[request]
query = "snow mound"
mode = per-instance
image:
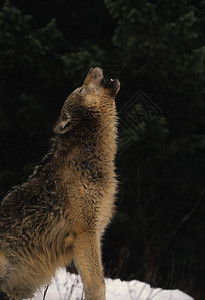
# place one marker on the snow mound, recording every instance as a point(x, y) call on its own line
point(66, 286)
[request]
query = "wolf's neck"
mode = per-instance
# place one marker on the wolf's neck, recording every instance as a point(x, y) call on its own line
point(97, 143)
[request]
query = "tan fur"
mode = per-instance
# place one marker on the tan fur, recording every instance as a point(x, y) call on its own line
point(3, 263)
point(60, 213)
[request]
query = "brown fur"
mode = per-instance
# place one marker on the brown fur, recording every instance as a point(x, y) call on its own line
point(60, 213)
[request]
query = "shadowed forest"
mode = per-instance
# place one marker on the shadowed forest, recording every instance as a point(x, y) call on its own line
point(157, 51)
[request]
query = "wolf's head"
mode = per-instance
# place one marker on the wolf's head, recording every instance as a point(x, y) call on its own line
point(93, 99)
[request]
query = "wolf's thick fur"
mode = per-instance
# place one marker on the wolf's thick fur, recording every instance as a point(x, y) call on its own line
point(60, 213)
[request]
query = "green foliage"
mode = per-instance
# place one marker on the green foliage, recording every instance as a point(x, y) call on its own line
point(160, 37)
point(79, 62)
point(160, 46)
point(30, 64)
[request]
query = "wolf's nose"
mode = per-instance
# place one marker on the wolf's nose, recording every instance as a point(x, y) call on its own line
point(96, 72)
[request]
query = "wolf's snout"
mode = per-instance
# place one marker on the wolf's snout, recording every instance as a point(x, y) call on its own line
point(96, 72)
point(95, 80)
point(94, 76)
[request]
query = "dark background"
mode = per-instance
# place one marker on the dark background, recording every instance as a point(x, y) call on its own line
point(158, 47)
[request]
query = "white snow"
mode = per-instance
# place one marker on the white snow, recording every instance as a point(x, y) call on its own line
point(66, 286)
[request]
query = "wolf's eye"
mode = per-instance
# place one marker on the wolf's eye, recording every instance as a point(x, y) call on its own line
point(64, 126)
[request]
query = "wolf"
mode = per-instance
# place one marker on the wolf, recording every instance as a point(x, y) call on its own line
point(60, 213)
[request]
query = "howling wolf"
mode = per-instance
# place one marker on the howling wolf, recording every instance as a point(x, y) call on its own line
point(60, 213)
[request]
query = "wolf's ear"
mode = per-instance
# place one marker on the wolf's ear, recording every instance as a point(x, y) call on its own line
point(62, 125)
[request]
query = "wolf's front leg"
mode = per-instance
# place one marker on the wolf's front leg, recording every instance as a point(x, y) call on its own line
point(87, 256)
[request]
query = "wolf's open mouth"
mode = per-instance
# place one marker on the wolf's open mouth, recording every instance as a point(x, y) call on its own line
point(111, 86)
point(109, 83)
